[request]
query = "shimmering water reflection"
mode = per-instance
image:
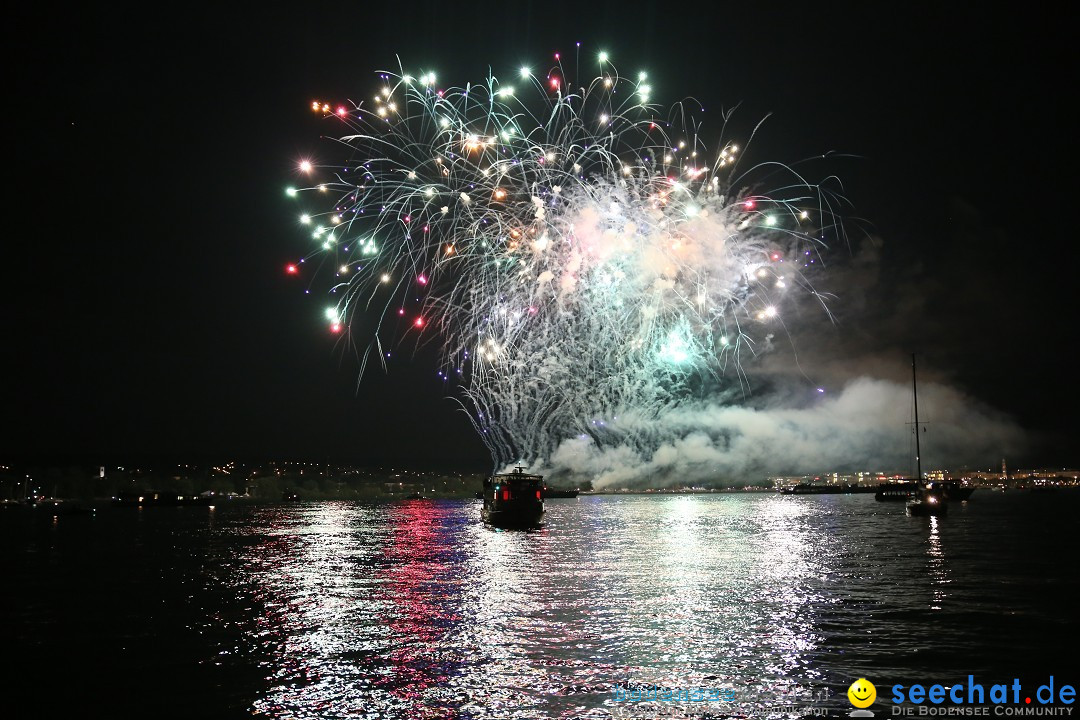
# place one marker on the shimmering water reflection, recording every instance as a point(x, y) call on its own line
point(417, 610)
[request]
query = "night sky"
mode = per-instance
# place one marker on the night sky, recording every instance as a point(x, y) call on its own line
point(147, 314)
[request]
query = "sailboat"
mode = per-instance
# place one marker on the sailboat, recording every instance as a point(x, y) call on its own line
point(929, 498)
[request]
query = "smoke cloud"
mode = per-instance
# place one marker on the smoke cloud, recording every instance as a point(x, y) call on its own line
point(866, 426)
point(831, 392)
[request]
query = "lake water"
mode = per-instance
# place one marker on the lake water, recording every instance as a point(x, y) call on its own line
point(417, 610)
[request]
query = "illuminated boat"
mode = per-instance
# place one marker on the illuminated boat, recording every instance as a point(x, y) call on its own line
point(930, 500)
point(908, 489)
point(897, 490)
point(513, 499)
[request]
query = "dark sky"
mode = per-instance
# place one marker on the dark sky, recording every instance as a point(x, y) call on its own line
point(147, 314)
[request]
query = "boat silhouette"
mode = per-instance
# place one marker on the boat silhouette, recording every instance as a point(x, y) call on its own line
point(513, 499)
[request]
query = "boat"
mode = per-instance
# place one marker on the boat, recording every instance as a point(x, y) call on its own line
point(559, 493)
point(151, 498)
point(929, 501)
point(929, 498)
point(513, 499)
point(896, 490)
point(956, 491)
point(812, 489)
point(951, 490)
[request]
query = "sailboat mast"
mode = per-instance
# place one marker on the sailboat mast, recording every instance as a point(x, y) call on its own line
point(915, 395)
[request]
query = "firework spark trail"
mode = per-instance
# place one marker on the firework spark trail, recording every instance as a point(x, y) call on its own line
point(574, 250)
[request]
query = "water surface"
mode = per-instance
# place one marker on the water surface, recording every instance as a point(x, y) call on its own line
point(417, 610)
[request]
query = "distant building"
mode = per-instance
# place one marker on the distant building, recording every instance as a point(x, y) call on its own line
point(862, 479)
point(983, 478)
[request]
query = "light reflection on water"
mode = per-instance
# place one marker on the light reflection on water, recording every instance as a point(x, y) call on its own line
point(938, 568)
point(417, 610)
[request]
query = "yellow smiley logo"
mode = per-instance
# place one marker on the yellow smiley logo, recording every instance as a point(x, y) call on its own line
point(862, 693)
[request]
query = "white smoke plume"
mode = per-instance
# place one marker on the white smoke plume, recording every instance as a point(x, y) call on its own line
point(864, 427)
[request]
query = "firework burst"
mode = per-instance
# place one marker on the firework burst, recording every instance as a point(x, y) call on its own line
point(585, 262)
